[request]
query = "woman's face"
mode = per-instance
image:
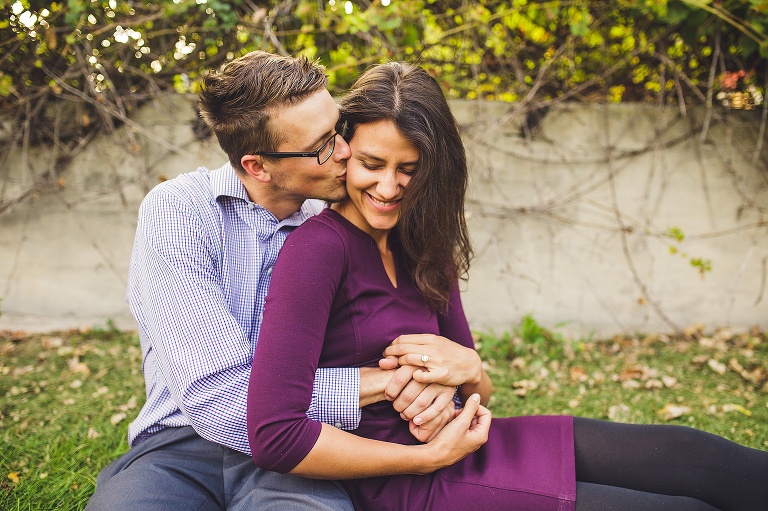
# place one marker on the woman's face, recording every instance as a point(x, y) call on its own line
point(378, 171)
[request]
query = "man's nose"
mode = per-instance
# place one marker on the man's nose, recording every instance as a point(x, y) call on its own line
point(342, 150)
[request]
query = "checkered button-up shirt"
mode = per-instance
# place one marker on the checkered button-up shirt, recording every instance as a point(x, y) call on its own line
point(199, 272)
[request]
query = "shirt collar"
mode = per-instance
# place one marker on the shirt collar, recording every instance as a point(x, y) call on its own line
point(225, 183)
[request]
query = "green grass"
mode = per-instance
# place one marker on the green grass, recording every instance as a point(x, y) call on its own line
point(66, 398)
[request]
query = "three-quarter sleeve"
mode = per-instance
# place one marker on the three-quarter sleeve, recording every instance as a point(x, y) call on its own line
point(304, 284)
point(453, 324)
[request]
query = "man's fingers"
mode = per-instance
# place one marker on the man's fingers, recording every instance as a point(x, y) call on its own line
point(443, 401)
point(403, 375)
point(388, 363)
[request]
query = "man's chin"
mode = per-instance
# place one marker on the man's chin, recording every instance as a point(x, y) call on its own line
point(335, 200)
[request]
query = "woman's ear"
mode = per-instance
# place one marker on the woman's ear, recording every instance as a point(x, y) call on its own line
point(254, 166)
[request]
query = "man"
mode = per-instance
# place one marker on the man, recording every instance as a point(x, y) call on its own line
point(202, 258)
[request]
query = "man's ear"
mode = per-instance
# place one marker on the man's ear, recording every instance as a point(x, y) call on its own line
point(254, 167)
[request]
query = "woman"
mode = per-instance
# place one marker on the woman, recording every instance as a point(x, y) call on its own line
point(386, 262)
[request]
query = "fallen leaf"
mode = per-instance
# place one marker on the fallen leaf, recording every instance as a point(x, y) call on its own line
point(653, 383)
point(578, 374)
point(117, 418)
point(51, 343)
point(731, 407)
point(92, 434)
point(716, 366)
point(669, 381)
point(76, 366)
point(619, 413)
point(632, 373)
point(13, 476)
point(522, 387)
point(671, 411)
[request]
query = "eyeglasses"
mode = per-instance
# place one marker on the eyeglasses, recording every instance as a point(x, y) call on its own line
point(322, 154)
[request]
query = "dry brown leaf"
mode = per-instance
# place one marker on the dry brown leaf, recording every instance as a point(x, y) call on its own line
point(716, 366)
point(522, 387)
point(632, 373)
point(619, 413)
point(52, 343)
point(653, 383)
point(669, 381)
point(117, 418)
point(578, 374)
point(77, 367)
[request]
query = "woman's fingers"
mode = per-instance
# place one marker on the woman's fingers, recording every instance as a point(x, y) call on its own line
point(439, 396)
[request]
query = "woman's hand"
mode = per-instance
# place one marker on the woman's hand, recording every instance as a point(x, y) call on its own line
point(444, 361)
point(463, 435)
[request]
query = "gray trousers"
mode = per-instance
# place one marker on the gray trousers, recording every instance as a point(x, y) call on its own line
point(176, 469)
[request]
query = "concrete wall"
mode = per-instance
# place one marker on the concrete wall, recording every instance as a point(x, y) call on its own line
point(568, 222)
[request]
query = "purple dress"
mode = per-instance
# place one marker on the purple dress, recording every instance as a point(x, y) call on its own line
point(331, 304)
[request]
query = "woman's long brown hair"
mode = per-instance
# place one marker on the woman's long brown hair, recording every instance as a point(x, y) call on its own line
point(431, 226)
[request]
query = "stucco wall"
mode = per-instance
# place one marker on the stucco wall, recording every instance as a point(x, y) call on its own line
point(568, 222)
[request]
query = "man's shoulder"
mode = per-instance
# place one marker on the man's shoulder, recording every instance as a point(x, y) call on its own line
point(190, 188)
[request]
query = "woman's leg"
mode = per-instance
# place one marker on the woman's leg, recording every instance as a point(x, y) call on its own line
point(671, 460)
point(599, 497)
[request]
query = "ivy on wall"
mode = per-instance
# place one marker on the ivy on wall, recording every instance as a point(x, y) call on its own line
point(104, 56)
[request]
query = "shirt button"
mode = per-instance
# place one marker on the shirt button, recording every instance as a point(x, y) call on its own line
point(251, 205)
point(261, 317)
point(337, 424)
point(269, 270)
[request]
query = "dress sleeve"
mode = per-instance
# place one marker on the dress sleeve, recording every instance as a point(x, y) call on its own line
point(304, 283)
point(453, 324)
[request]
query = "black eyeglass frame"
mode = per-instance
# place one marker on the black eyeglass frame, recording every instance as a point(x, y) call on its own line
point(341, 129)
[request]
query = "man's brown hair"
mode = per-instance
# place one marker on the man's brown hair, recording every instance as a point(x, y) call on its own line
point(238, 101)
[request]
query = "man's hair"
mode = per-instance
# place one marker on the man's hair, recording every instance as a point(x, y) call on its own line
point(238, 101)
point(431, 225)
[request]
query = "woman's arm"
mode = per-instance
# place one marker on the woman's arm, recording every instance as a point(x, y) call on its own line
point(341, 455)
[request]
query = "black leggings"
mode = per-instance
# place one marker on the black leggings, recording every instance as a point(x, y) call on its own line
point(633, 467)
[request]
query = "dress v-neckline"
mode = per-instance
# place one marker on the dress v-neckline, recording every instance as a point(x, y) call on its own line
point(367, 237)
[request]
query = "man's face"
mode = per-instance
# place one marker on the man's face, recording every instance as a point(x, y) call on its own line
point(305, 127)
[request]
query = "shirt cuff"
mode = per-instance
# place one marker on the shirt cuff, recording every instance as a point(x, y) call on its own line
point(336, 397)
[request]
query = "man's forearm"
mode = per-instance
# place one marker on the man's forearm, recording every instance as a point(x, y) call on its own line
point(373, 381)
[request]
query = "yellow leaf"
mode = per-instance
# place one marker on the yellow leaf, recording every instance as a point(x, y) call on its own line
point(13, 476)
point(671, 411)
point(731, 407)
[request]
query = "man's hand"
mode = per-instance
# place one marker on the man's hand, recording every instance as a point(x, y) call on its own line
point(415, 400)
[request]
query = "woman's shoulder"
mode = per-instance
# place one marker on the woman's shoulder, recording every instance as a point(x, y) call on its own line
point(319, 234)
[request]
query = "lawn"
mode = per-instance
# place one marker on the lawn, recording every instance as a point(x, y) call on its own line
point(66, 398)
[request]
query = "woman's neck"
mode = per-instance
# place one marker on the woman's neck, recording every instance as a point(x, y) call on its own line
point(346, 209)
